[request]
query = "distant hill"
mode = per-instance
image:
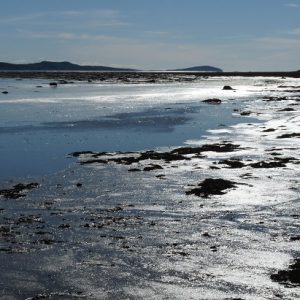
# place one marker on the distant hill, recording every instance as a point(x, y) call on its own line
point(67, 66)
point(56, 66)
point(201, 69)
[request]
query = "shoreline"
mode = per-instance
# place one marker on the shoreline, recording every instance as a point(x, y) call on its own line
point(139, 77)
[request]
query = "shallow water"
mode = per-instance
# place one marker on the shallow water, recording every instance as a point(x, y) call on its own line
point(40, 126)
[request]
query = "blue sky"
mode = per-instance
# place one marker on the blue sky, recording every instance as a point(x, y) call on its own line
point(245, 35)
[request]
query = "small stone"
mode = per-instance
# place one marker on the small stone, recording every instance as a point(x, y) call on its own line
point(213, 248)
point(245, 113)
point(227, 87)
point(212, 101)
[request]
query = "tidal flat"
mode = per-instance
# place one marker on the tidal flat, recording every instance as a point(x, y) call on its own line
point(165, 189)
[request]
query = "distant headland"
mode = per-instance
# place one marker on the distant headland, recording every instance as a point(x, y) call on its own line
point(200, 69)
point(68, 66)
point(56, 66)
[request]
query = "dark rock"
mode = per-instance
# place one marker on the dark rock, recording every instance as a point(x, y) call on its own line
point(291, 91)
point(288, 135)
point(295, 216)
point(182, 253)
point(77, 154)
point(42, 232)
point(5, 92)
point(245, 113)
point(28, 219)
point(58, 295)
point(115, 209)
point(227, 87)
point(124, 160)
point(93, 161)
point(134, 170)
point(166, 156)
point(275, 98)
point(269, 130)
point(286, 109)
point(286, 160)
point(275, 153)
point(212, 101)
point(47, 242)
point(174, 155)
point(271, 164)
point(214, 168)
point(226, 147)
point(206, 234)
point(79, 184)
point(290, 277)
point(288, 86)
point(232, 163)
point(53, 84)
point(211, 187)
point(153, 167)
point(16, 191)
point(214, 248)
point(6, 250)
point(64, 226)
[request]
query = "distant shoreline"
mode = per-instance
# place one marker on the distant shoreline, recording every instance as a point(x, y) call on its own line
point(136, 76)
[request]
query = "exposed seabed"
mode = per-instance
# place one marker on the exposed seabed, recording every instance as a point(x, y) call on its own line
point(217, 218)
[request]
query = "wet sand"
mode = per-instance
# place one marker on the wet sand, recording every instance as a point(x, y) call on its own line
point(217, 218)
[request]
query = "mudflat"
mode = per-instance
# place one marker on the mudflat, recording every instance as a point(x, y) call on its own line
point(214, 217)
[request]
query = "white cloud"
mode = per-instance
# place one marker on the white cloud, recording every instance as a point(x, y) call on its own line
point(69, 36)
point(22, 19)
point(156, 33)
point(83, 18)
point(293, 5)
point(277, 43)
point(295, 31)
point(100, 13)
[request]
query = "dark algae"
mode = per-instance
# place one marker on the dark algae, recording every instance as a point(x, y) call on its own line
point(210, 187)
point(289, 277)
point(177, 154)
point(17, 191)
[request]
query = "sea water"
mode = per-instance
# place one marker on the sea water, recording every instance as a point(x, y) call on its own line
point(40, 125)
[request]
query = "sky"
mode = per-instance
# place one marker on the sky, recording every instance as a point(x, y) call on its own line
point(235, 35)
